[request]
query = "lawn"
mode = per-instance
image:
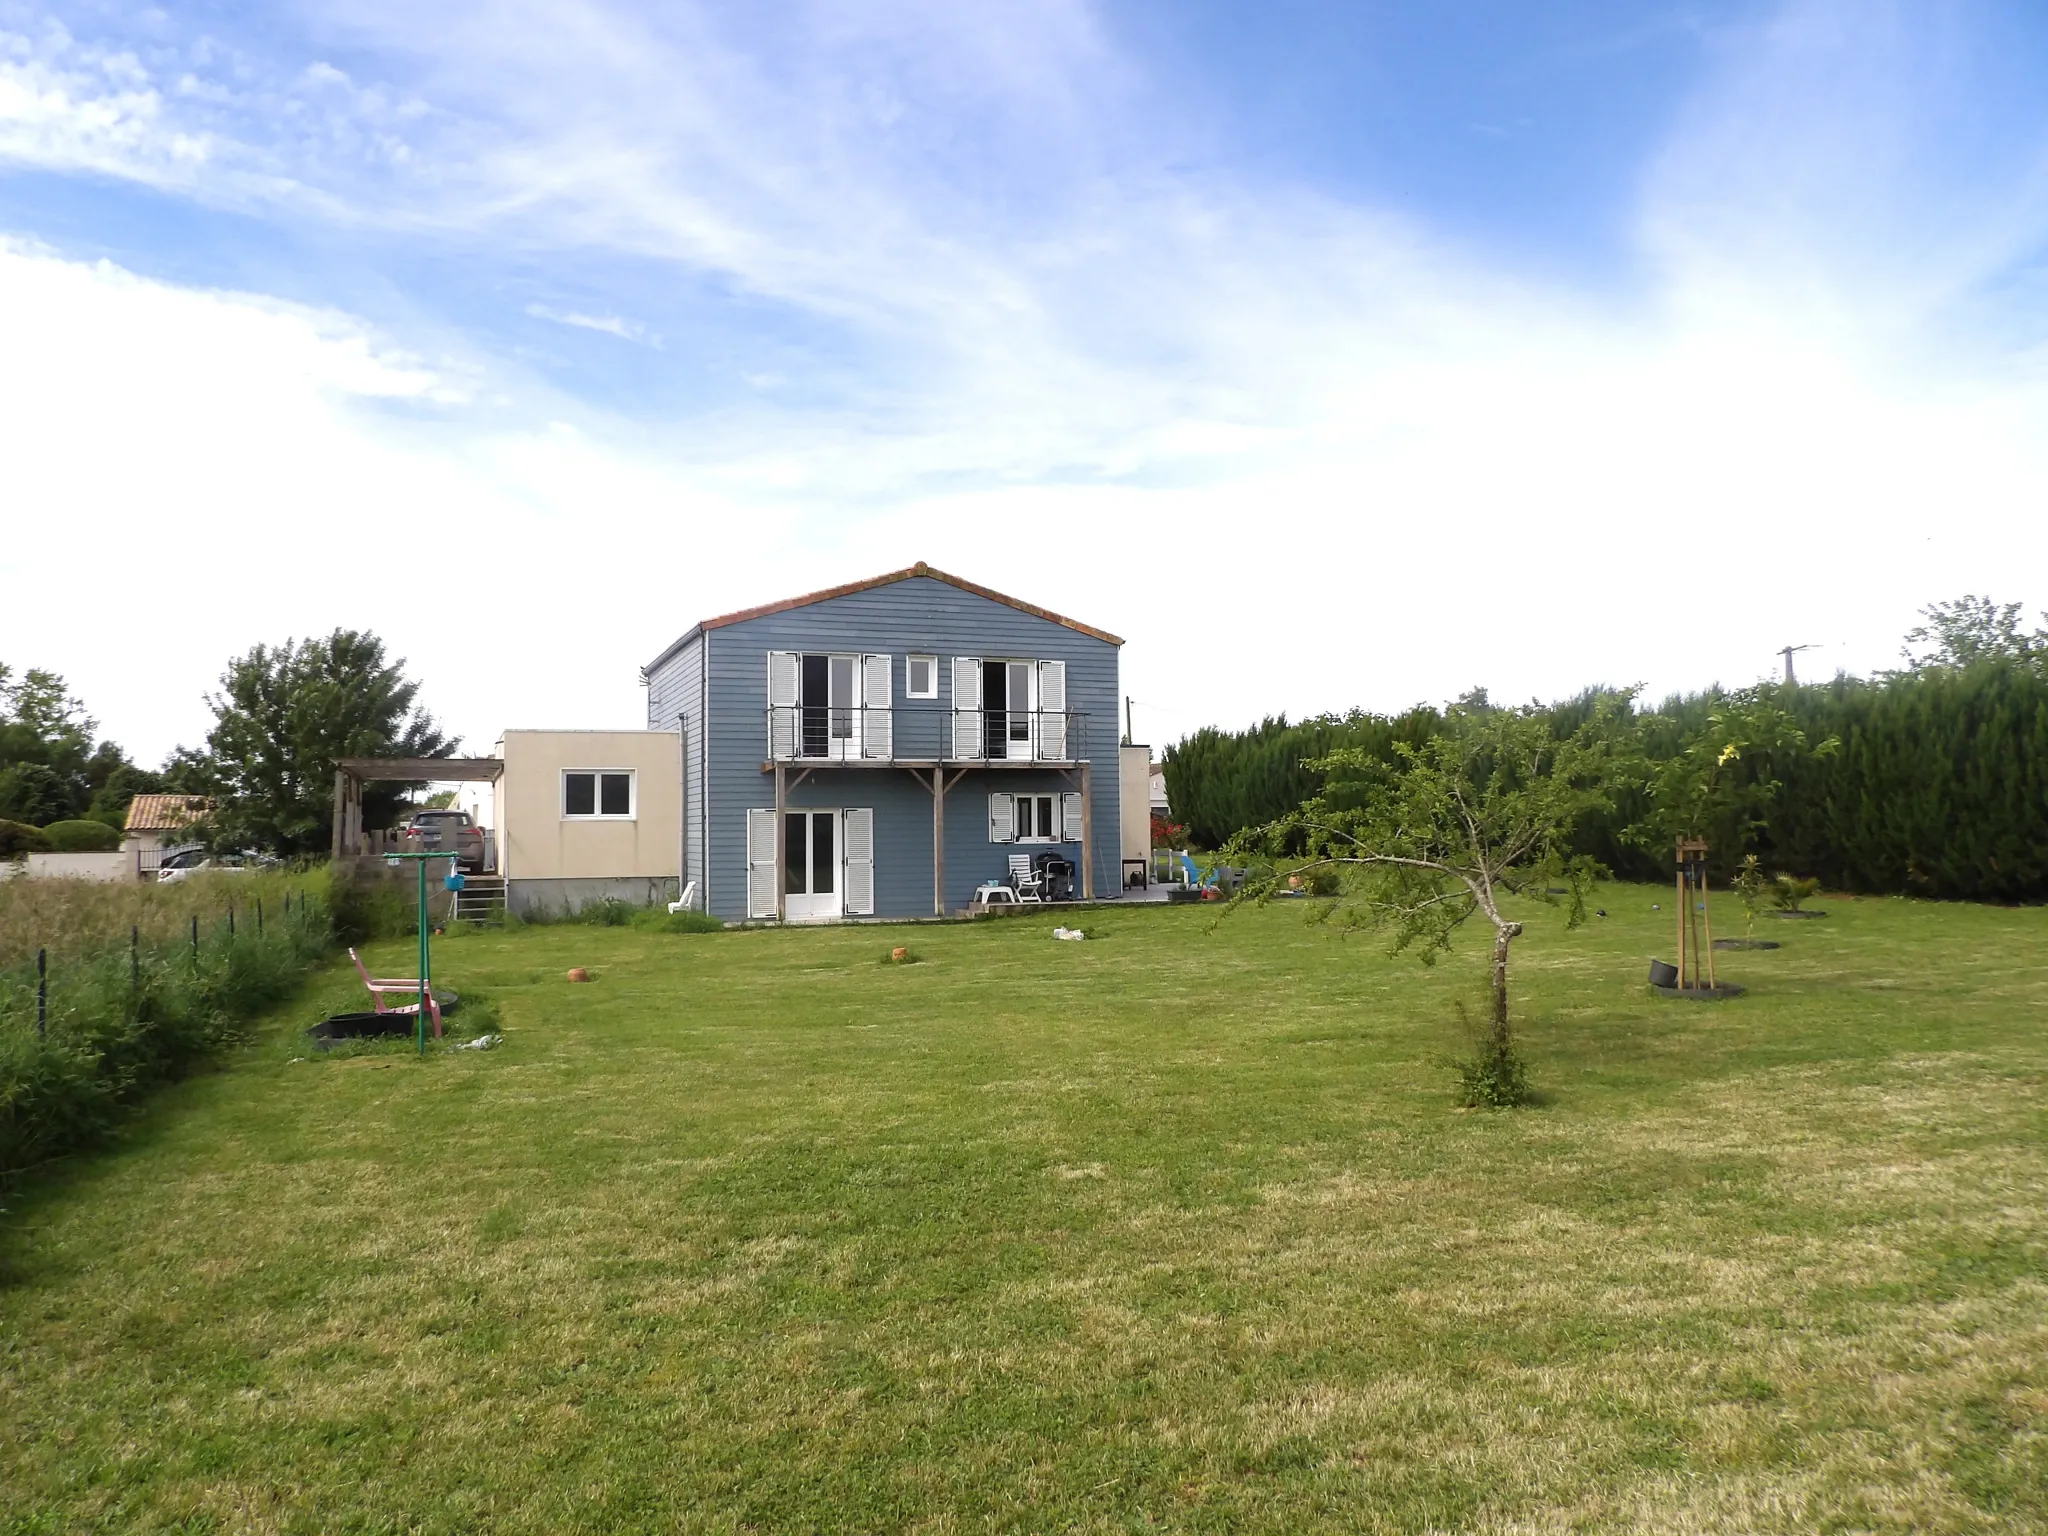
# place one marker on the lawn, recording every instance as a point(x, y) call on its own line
point(1176, 1229)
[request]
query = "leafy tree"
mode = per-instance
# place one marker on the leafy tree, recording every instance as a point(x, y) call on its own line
point(285, 714)
point(35, 793)
point(1723, 784)
point(50, 767)
point(1972, 629)
point(1482, 810)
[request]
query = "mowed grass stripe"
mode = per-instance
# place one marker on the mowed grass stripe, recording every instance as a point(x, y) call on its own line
point(1173, 1229)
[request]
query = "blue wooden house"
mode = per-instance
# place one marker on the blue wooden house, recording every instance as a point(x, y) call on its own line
point(885, 748)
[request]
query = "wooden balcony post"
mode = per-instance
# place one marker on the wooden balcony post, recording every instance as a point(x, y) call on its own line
point(781, 834)
point(939, 841)
point(1087, 838)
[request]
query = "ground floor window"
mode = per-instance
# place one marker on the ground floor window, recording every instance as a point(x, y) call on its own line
point(597, 792)
point(1021, 818)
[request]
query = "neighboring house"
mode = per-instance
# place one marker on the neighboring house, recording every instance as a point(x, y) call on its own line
point(156, 823)
point(883, 748)
point(582, 816)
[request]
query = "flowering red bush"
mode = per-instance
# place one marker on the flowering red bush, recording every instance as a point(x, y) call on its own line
point(1168, 834)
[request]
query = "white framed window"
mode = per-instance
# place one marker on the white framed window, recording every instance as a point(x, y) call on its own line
point(599, 794)
point(1015, 818)
point(920, 677)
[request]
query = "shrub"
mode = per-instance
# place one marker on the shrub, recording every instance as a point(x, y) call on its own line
point(370, 909)
point(660, 920)
point(18, 837)
point(122, 1018)
point(1789, 893)
point(610, 912)
point(81, 837)
point(1493, 1075)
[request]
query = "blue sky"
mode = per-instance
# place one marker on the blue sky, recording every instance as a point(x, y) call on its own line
point(1333, 355)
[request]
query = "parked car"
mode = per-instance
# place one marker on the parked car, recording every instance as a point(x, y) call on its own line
point(447, 832)
point(183, 863)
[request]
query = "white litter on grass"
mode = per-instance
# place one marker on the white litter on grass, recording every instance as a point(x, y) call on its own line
point(480, 1043)
point(1069, 933)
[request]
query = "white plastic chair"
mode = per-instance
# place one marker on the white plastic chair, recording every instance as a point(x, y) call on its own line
point(1026, 880)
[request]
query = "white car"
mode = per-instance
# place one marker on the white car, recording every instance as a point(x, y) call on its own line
point(186, 862)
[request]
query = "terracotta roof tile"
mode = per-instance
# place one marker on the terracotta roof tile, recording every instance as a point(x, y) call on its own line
point(919, 569)
point(165, 813)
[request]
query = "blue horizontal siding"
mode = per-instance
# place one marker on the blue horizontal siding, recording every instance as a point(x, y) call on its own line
point(919, 615)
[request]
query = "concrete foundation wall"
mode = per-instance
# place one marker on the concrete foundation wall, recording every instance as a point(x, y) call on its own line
point(531, 898)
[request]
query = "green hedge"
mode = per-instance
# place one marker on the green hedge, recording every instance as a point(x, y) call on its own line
point(18, 837)
point(81, 837)
point(1939, 785)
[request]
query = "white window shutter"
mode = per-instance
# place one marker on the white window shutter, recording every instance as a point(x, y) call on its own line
point(1070, 818)
point(877, 698)
point(782, 706)
point(967, 726)
point(1002, 819)
point(858, 841)
point(1052, 710)
point(761, 863)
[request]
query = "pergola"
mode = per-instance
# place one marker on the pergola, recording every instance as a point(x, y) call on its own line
point(352, 773)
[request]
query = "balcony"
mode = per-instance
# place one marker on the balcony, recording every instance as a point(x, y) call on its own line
point(906, 735)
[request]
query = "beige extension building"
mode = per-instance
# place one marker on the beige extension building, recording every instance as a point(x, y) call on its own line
point(585, 815)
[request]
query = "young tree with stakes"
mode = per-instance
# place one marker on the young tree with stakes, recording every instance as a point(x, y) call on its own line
point(1483, 811)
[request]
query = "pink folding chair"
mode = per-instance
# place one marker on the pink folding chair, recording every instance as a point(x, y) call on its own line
point(380, 985)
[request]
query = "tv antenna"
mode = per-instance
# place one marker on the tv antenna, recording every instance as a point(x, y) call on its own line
point(1788, 653)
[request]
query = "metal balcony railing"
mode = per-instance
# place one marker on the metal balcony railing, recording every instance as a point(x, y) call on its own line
point(906, 733)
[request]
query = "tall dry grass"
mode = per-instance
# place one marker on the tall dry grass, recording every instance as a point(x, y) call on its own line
point(80, 919)
point(139, 981)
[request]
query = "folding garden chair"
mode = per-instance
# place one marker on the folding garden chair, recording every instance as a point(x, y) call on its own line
point(380, 985)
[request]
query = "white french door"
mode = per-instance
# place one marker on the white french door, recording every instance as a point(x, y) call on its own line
point(812, 887)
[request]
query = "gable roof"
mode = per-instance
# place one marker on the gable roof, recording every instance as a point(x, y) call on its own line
point(165, 813)
point(919, 569)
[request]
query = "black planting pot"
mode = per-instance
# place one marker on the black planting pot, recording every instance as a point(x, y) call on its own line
point(1663, 974)
point(360, 1026)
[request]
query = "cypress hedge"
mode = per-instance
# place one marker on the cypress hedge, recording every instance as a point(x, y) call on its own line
point(1938, 785)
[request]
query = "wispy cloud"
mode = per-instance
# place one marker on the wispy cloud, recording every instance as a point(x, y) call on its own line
point(609, 325)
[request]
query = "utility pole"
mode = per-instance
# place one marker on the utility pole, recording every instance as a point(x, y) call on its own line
point(1788, 653)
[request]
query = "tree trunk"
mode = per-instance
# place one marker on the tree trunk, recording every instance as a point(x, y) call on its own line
point(1503, 935)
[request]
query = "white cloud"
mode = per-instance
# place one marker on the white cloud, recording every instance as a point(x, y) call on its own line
point(1302, 454)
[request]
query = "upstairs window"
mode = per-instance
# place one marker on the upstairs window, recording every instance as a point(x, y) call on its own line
point(597, 794)
point(921, 677)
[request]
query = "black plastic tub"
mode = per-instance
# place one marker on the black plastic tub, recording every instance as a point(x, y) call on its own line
point(361, 1026)
point(1663, 974)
